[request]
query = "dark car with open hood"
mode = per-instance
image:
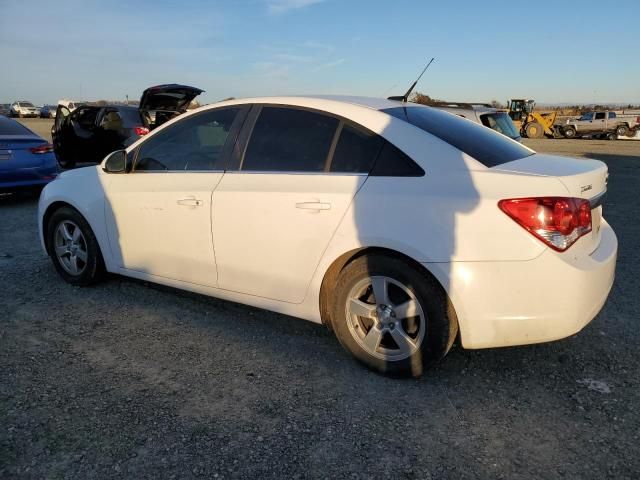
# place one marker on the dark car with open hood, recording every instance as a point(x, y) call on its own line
point(90, 132)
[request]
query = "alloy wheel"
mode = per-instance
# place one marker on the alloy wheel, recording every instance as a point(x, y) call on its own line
point(70, 247)
point(385, 318)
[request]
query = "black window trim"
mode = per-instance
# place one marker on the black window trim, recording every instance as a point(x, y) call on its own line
point(227, 150)
point(243, 138)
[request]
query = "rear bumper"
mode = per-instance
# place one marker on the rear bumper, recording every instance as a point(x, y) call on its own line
point(27, 177)
point(517, 303)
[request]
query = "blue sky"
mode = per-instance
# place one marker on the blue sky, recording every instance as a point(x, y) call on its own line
point(559, 52)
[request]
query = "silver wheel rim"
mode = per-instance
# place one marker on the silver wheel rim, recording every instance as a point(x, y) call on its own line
point(385, 318)
point(70, 247)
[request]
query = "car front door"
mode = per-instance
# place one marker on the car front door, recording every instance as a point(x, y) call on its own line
point(57, 130)
point(159, 215)
point(274, 216)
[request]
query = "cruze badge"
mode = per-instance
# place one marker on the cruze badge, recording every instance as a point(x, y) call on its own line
point(585, 188)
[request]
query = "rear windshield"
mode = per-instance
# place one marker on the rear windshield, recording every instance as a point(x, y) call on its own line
point(130, 117)
point(11, 127)
point(479, 142)
point(25, 104)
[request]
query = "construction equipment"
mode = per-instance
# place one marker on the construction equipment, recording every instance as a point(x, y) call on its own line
point(530, 123)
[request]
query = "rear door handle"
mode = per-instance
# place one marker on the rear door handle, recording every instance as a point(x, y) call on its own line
point(315, 205)
point(190, 202)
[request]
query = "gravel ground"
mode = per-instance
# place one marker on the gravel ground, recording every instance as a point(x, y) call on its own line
point(131, 380)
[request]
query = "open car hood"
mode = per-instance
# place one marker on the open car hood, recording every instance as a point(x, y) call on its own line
point(168, 98)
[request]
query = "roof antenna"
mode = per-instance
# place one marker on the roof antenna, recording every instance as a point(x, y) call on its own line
point(405, 97)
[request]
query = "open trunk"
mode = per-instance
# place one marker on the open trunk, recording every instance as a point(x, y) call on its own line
point(161, 103)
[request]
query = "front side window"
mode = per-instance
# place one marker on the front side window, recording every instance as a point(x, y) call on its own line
point(194, 143)
point(587, 116)
point(85, 117)
point(289, 140)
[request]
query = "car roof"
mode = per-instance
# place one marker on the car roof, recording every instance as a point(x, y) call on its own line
point(368, 102)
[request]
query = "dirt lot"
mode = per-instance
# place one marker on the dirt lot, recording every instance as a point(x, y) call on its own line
point(131, 380)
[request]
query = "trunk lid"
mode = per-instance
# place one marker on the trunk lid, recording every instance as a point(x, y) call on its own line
point(582, 178)
point(15, 153)
point(169, 99)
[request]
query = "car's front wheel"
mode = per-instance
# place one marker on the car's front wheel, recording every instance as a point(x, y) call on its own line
point(391, 316)
point(74, 248)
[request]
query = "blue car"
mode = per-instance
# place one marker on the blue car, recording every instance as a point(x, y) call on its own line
point(27, 160)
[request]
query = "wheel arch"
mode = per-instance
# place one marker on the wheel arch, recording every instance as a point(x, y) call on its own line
point(48, 213)
point(331, 275)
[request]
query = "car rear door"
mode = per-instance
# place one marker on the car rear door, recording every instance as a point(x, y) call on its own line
point(276, 209)
point(159, 215)
point(600, 121)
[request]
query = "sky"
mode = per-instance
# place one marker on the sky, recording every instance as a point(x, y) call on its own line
point(558, 52)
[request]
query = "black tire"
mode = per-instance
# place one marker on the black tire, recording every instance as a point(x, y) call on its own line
point(93, 269)
point(438, 316)
point(65, 162)
point(611, 136)
point(621, 130)
point(569, 132)
point(534, 130)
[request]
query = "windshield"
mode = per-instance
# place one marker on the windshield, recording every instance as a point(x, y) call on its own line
point(479, 142)
point(25, 104)
point(501, 123)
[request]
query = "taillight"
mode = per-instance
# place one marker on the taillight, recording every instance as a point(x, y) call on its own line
point(44, 148)
point(557, 221)
point(141, 130)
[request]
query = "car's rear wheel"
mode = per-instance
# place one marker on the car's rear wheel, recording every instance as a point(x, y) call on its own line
point(74, 248)
point(391, 316)
point(622, 130)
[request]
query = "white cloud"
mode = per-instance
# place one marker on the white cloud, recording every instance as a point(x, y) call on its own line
point(328, 65)
point(287, 57)
point(281, 6)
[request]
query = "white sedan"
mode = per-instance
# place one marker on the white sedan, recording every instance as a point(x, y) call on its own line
point(399, 226)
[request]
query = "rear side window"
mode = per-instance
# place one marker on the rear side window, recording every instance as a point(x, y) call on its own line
point(195, 143)
point(600, 116)
point(501, 123)
point(612, 114)
point(11, 127)
point(289, 140)
point(483, 144)
point(356, 150)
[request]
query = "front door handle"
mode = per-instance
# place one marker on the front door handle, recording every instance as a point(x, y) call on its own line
point(315, 205)
point(190, 202)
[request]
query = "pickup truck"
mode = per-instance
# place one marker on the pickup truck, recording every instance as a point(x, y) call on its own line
point(601, 123)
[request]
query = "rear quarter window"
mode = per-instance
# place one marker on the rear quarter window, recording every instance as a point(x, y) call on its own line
point(486, 146)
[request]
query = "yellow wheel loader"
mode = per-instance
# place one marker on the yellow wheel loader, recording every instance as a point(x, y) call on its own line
point(531, 124)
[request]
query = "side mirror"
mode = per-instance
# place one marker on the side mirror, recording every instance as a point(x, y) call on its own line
point(116, 162)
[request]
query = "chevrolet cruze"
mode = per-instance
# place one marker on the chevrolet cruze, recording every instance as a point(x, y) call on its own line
point(399, 226)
